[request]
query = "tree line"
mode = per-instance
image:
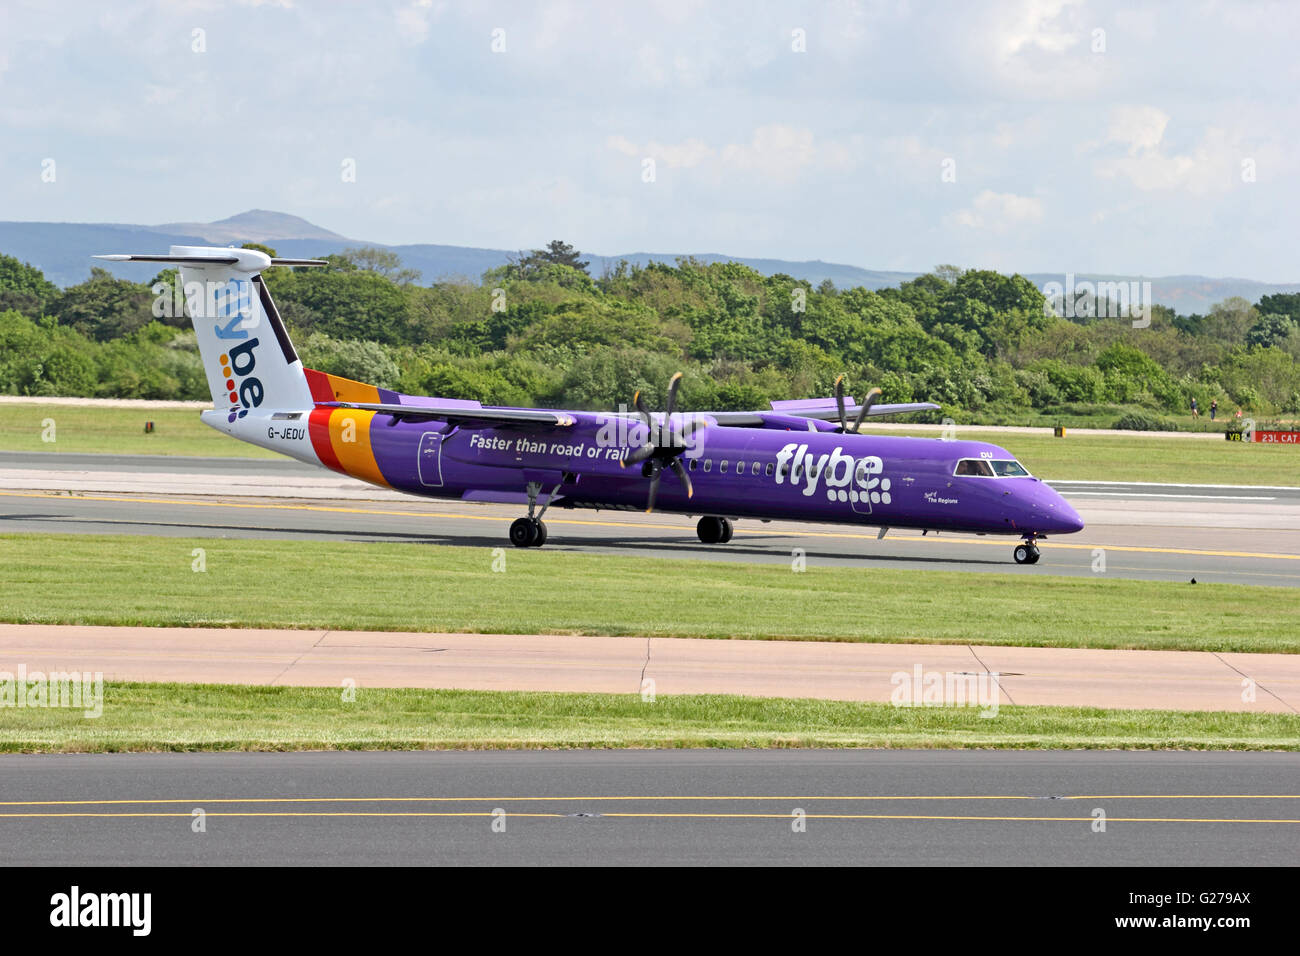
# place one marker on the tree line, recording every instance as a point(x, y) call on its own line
point(540, 330)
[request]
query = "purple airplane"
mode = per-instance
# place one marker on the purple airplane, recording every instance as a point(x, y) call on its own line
point(801, 460)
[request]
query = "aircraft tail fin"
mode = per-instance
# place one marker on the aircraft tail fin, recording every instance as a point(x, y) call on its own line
point(247, 356)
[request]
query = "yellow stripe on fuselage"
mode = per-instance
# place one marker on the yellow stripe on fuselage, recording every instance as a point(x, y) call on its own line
point(350, 439)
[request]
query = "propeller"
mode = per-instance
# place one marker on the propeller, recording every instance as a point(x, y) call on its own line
point(672, 440)
point(871, 399)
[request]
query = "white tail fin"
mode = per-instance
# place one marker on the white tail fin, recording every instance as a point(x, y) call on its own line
point(245, 348)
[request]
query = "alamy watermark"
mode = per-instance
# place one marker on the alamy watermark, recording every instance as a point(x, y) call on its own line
point(922, 688)
point(1099, 300)
point(75, 689)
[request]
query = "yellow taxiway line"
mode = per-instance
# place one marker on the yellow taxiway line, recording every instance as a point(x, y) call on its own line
point(338, 509)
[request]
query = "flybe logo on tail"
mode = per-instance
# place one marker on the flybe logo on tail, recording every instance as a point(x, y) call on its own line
point(243, 389)
point(234, 303)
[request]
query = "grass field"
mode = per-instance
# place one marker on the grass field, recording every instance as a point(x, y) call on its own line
point(1080, 457)
point(117, 431)
point(218, 717)
point(391, 586)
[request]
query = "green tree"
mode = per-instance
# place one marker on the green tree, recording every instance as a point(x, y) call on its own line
point(24, 288)
point(557, 253)
point(104, 307)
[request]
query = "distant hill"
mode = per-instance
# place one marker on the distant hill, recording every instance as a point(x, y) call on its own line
point(63, 252)
point(256, 225)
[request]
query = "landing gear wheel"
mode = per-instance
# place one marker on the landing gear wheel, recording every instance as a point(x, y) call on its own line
point(727, 530)
point(541, 533)
point(712, 530)
point(1026, 554)
point(524, 532)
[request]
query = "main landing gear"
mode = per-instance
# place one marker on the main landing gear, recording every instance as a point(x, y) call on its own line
point(714, 530)
point(530, 532)
point(1026, 553)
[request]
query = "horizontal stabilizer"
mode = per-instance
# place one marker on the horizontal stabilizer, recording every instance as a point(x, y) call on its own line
point(217, 260)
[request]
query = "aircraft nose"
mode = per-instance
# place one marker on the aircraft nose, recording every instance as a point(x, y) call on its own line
point(1058, 514)
point(1069, 518)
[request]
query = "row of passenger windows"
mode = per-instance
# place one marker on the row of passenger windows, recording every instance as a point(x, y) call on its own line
point(706, 465)
point(756, 468)
point(968, 467)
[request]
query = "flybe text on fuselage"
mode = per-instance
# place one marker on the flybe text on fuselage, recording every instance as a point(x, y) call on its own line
point(842, 476)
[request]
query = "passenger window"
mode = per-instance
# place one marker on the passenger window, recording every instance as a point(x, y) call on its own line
point(708, 463)
point(694, 462)
point(740, 467)
point(722, 467)
point(768, 470)
point(754, 470)
point(798, 473)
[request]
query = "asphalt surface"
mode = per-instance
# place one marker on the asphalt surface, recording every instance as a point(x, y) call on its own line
point(1127, 545)
point(640, 808)
point(1231, 534)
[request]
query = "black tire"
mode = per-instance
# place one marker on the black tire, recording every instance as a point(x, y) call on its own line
point(1034, 555)
point(540, 539)
point(710, 530)
point(727, 530)
point(523, 531)
point(1023, 554)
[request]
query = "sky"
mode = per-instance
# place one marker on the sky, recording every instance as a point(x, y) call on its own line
point(1020, 135)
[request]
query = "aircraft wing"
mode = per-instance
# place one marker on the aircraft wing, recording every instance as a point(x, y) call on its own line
point(458, 413)
point(817, 411)
point(832, 414)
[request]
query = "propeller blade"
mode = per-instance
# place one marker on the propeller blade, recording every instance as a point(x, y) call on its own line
point(672, 396)
point(682, 475)
point(639, 405)
point(866, 407)
point(681, 437)
point(839, 402)
point(637, 455)
point(656, 469)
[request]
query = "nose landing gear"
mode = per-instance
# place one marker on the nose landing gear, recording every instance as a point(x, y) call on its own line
point(1026, 553)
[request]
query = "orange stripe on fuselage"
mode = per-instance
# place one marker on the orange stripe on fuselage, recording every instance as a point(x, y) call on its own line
point(350, 441)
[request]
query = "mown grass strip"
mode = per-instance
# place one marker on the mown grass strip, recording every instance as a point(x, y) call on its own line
point(192, 717)
point(141, 580)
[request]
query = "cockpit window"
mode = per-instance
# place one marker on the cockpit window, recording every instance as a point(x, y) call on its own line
point(986, 468)
point(1009, 469)
point(974, 467)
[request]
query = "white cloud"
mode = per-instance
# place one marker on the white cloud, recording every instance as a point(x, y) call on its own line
point(1033, 25)
point(998, 212)
point(414, 19)
point(775, 152)
point(1140, 128)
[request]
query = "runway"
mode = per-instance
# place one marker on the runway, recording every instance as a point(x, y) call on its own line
point(638, 808)
point(1151, 532)
point(1125, 538)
